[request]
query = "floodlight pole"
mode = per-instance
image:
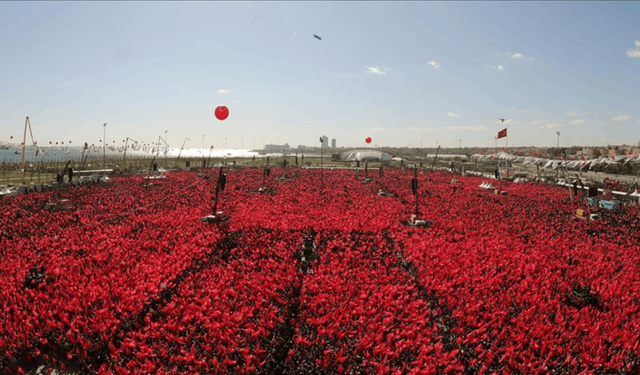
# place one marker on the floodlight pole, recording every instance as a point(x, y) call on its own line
point(84, 159)
point(125, 152)
point(321, 163)
point(211, 149)
point(435, 158)
point(181, 148)
point(104, 144)
point(150, 168)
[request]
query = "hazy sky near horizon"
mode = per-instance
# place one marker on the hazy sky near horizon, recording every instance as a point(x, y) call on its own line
point(402, 73)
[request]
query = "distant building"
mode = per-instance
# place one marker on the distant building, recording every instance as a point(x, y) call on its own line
point(325, 142)
point(276, 147)
point(333, 143)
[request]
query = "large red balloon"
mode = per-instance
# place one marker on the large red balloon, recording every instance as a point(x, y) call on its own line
point(368, 140)
point(222, 112)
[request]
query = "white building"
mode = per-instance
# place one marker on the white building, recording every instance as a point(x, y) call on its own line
point(276, 147)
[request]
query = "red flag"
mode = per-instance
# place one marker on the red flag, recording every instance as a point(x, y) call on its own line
point(502, 133)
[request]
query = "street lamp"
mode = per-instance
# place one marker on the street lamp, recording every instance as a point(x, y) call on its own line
point(104, 144)
point(558, 133)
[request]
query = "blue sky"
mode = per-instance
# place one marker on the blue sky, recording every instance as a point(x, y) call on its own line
point(403, 73)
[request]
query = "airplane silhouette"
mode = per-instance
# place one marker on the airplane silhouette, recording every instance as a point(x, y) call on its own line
point(502, 119)
point(317, 37)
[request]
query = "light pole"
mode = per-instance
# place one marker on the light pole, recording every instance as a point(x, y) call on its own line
point(104, 144)
point(460, 146)
point(321, 163)
point(243, 147)
point(558, 133)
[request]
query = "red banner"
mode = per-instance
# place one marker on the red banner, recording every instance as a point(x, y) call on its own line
point(502, 133)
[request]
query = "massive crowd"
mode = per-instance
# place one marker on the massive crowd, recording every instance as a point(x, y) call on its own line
point(317, 277)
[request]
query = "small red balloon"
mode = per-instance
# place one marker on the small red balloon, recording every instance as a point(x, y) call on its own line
point(368, 140)
point(222, 112)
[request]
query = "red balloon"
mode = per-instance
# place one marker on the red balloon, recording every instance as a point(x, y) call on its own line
point(222, 112)
point(368, 140)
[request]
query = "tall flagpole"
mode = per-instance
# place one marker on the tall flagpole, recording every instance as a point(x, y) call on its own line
point(506, 130)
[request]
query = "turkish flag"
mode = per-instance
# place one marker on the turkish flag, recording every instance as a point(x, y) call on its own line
point(502, 133)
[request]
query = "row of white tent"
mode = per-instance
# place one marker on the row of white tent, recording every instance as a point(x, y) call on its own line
point(554, 164)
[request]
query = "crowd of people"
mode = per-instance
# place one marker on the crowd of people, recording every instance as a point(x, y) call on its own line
point(318, 275)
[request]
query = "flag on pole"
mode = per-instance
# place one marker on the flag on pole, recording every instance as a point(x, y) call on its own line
point(502, 133)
